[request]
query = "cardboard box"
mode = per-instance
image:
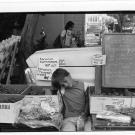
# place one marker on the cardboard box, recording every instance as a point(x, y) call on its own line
point(9, 111)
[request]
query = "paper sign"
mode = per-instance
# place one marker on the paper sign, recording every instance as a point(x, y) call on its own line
point(62, 62)
point(100, 104)
point(46, 67)
point(98, 59)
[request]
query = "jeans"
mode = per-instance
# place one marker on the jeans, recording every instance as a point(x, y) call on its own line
point(70, 124)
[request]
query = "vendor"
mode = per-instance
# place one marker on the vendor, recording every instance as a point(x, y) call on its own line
point(66, 38)
point(76, 107)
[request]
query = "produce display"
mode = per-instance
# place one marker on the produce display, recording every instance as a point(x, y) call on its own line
point(36, 90)
point(9, 89)
point(124, 111)
point(114, 117)
point(5, 47)
point(37, 113)
point(113, 92)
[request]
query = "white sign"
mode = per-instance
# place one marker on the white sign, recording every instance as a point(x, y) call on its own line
point(98, 59)
point(100, 104)
point(46, 67)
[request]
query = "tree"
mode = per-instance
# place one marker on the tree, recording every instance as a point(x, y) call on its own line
point(28, 34)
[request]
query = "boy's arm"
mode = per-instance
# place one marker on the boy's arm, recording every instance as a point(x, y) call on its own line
point(86, 111)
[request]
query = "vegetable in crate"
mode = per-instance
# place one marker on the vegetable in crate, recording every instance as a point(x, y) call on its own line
point(114, 117)
point(39, 113)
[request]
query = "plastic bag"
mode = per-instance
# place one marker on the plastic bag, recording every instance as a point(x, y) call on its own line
point(41, 112)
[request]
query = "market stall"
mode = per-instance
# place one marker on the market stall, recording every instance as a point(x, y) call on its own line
point(105, 65)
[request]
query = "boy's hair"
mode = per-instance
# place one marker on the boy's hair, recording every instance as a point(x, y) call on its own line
point(68, 25)
point(57, 77)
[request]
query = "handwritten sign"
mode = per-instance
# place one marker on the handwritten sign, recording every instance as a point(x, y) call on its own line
point(98, 59)
point(46, 67)
point(100, 104)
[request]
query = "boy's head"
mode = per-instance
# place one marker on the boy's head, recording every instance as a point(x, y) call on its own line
point(61, 78)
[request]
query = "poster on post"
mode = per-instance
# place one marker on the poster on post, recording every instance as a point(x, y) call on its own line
point(46, 67)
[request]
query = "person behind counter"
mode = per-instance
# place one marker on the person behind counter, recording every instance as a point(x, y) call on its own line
point(66, 39)
point(75, 101)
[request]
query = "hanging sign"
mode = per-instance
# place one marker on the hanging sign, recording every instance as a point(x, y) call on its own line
point(98, 59)
point(46, 67)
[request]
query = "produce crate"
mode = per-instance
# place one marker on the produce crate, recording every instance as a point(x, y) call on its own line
point(11, 101)
point(123, 105)
point(12, 89)
point(10, 95)
point(10, 98)
point(9, 107)
point(37, 90)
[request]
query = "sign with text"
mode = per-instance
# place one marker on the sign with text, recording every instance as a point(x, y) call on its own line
point(99, 104)
point(47, 65)
point(98, 59)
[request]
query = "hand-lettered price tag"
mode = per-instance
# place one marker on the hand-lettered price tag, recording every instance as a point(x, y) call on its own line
point(98, 59)
point(46, 67)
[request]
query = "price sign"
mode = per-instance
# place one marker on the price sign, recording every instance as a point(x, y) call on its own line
point(46, 67)
point(98, 59)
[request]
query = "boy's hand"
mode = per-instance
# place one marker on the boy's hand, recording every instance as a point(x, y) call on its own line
point(80, 124)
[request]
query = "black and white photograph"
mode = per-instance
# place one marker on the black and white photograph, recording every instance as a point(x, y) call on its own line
point(67, 71)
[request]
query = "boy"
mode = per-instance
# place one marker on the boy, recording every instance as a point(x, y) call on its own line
point(76, 107)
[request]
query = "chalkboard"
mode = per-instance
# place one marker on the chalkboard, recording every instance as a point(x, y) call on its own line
point(119, 71)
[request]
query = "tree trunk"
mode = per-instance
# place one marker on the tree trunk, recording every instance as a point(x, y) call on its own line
point(27, 35)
